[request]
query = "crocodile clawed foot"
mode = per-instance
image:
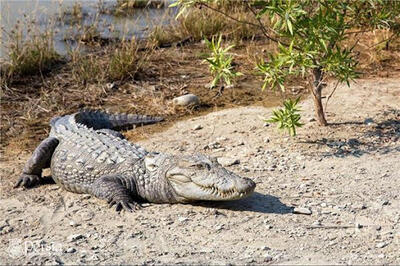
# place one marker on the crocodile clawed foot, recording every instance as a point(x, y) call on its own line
point(129, 206)
point(27, 181)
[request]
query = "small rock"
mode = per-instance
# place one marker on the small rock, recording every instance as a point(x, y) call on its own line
point(225, 161)
point(73, 224)
point(378, 227)
point(186, 100)
point(384, 202)
point(222, 139)
point(265, 248)
point(183, 219)
point(74, 237)
point(6, 229)
point(381, 256)
point(298, 210)
point(245, 169)
point(368, 121)
point(381, 244)
point(317, 223)
point(311, 120)
point(197, 127)
point(94, 258)
point(213, 145)
point(360, 206)
point(268, 258)
point(358, 225)
point(219, 227)
point(111, 86)
point(70, 250)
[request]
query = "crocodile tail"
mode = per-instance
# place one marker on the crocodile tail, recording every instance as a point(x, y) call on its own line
point(101, 120)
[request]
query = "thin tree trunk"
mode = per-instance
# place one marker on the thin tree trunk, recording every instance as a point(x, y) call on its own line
point(316, 93)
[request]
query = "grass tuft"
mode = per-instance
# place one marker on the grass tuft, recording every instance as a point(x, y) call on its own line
point(125, 61)
point(29, 55)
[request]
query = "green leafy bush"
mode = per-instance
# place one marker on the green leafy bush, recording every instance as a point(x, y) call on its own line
point(287, 118)
point(220, 62)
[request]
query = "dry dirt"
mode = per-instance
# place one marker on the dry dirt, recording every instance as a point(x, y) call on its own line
point(347, 174)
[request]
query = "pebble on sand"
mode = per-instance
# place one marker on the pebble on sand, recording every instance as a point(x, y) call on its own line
point(299, 210)
point(186, 100)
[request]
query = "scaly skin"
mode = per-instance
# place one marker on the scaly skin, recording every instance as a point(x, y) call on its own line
point(86, 155)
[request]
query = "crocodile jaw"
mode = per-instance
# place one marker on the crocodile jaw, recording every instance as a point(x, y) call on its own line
point(198, 177)
point(192, 191)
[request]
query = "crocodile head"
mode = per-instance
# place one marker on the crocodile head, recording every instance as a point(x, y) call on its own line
point(196, 177)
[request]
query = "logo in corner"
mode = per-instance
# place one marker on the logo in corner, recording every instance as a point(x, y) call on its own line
point(15, 248)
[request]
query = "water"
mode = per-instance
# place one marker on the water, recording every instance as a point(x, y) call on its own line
point(45, 12)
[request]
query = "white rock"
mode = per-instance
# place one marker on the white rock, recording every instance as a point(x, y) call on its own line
point(70, 250)
point(382, 244)
point(183, 219)
point(186, 100)
point(268, 258)
point(298, 210)
point(197, 127)
point(225, 161)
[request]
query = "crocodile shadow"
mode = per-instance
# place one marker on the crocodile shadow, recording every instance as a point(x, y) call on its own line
point(257, 202)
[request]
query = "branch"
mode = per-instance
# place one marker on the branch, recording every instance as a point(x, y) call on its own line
point(356, 32)
point(331, 94)
point(385, 40)
point(229, 16)
point(259, 25)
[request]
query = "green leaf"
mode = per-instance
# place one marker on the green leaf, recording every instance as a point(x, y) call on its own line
point(287, 117)
point(290, 26)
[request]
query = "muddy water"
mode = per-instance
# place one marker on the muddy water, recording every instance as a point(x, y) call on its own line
point(47, 15)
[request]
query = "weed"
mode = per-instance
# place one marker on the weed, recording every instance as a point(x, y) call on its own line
point(127, 7)
point(161, 36)
point(86, 69)
point(287, 118)
point(125, 61)
point(200, 25)
point(29, 52)
point(220, 62)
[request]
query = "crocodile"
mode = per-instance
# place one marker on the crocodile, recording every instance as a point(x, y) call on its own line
point(86, 153)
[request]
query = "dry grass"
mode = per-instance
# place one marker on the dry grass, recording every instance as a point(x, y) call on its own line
point(377, 54)
point(125, 61)
point(30, 52)
point(199, 24)
point(129, 7)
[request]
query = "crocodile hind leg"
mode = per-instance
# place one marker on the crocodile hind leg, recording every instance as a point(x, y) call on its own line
point(40, 159)
point(116, 191)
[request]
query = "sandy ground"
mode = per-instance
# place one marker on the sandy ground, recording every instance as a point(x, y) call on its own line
point(347, 175)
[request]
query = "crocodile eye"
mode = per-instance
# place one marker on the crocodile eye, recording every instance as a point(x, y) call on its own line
point(201, 166)
point(197, 166)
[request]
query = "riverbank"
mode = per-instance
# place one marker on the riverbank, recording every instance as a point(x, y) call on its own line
point(344, 176)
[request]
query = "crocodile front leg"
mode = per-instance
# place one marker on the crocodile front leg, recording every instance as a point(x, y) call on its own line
point(40, 159)
point(113, 189)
